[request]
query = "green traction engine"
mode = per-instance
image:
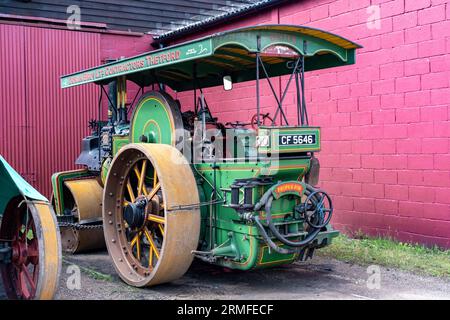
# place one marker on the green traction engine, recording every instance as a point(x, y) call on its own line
point(172, 183)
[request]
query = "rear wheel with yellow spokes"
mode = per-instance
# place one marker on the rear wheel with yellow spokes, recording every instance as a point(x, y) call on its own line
point(143, 213)
point(149, 242)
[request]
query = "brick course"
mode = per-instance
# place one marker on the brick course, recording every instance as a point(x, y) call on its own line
point(386, 120)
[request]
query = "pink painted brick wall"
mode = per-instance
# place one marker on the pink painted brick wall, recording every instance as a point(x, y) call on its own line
point(115, 46)
point(386, 120)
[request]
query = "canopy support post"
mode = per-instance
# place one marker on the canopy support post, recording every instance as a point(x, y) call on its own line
point(141, 90)
point(121, 99)
point(279, 101)
point(98, 121)
point(300, 119)
point(107, 96)
point(274, 94)
point(280, 104)
point(302, 81)
point(300, 89)
point(258, 41)
point(203, 111)
point(194, 73)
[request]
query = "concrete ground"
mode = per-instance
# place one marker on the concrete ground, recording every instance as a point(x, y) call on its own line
point(319, 278)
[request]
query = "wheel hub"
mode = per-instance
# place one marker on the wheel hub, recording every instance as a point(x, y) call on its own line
point(134, 213)
point(19, 253)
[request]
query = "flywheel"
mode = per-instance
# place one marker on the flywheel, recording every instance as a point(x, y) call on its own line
point(157, 119)
point(150, 223)
point(31, 230)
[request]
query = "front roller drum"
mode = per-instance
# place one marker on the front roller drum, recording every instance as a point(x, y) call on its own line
point(76, 240)
point(30, 229)
point(150, 225)
point(83, 198)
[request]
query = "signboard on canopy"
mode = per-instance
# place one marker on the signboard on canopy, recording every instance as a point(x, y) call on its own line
point(139, 63)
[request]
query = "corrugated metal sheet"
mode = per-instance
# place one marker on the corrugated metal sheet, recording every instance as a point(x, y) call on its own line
point(12, 76)
point(154, 16)
point(42, 125)
point(234, 12)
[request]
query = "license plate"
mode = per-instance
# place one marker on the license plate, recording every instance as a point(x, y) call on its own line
point(296, 139)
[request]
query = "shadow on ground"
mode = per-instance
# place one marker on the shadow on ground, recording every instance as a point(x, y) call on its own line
point(319, 278)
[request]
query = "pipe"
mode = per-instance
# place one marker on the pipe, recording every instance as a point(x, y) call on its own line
point(266, 201)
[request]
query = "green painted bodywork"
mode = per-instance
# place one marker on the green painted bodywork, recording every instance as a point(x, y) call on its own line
point(58, 179)
point(226, 53)
point(240, 244)
point(119, 141)
point(13, 185)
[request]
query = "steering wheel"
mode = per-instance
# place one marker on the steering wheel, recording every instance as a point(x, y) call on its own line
point(263, 118)
point(320, 208)
point(237, 124)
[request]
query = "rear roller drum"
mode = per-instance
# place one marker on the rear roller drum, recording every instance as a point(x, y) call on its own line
point(150, 242)
point(30, 229)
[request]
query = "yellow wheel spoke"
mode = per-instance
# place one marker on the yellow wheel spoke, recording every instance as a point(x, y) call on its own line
point(155, 249)
point(136, 171)
point(152, 243)
point(147, 234)
point(138, 248)
point(137, 242)
point(155, 218)
point(155, 178)
point(150, 249)
point(161, 229)
point(142, 177)
point(130, 191)
point(154, 191)
point(133, 242)
point(150, 258)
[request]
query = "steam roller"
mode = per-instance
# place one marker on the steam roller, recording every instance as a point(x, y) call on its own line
point(30, 246)
point(170, 184)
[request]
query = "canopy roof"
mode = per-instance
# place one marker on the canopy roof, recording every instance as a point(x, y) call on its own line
point(14, 185)
point(227, 53)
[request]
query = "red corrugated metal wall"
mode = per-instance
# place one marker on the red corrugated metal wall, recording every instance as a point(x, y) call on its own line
point(12, 76)
point(41, 125)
